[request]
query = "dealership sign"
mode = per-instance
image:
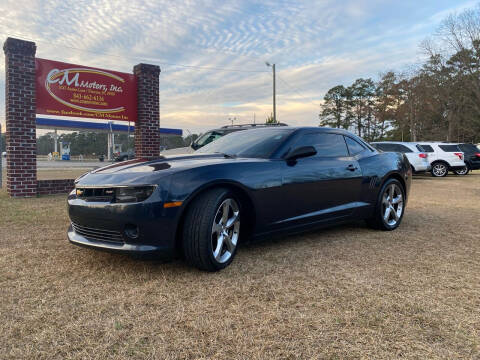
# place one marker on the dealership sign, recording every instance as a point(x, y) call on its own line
point(79, 91)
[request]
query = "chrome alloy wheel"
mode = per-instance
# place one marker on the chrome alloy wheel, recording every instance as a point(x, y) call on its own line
point(439, 169)
point(392, 204)
point(225, 230)
point(462, 171)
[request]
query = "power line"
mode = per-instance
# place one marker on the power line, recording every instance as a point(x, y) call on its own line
point(159, 61)
point(297, 92)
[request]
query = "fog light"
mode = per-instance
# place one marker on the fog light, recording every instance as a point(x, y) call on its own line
point(131, 231)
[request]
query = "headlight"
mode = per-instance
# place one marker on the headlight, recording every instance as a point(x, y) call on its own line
point(133, 194)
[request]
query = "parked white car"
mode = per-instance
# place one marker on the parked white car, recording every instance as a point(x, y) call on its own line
point(444, 157)
point(417, 157)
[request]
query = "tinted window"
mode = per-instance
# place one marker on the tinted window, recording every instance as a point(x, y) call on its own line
point(325, 144)
point(385, 147)
point(425, 148)
point(208, 137)
point(449, 148)
point(354, 147)
point(379, 146)
point(469, 148)
point(249, 143)
point(402, 148)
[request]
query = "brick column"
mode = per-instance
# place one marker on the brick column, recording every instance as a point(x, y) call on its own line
point(20, 117)
point(147, 135)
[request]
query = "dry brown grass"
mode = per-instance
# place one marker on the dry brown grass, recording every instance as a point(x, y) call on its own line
point(52, 174)
point(346, 292)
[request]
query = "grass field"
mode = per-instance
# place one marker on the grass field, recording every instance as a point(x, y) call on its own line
point(342, 293)
point(51, 174)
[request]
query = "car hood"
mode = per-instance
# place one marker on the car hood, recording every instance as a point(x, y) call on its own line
point(140, 171)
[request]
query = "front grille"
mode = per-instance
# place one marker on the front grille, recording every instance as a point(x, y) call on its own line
point(98, 234)
point(96, 194)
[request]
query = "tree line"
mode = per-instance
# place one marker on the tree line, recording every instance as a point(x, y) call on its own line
point(95, 143)
point(437, 100)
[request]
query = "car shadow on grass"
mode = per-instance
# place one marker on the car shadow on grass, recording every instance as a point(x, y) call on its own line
point(273, 245)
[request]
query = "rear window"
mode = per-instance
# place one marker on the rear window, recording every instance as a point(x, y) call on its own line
point(449, 148)
point(425, 148)
point(470, 148)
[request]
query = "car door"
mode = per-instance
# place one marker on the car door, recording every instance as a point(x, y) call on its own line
point(321, 187)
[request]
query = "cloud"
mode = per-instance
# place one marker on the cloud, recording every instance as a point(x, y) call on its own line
point(315, 44)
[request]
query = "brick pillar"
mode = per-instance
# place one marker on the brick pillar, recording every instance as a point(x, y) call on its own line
point(20, 117)
point(147, 135)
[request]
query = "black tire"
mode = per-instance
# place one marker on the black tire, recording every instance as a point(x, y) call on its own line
point(462, 172)
point(377, 221)
point(439, 169)
point(197, 236)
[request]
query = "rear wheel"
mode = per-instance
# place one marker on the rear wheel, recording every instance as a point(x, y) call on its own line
point(439, 169)
point(211, 230)
point(462, 171)
point(390, 206)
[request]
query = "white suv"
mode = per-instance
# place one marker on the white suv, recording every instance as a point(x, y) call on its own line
point(416, 156)
point(443, 157)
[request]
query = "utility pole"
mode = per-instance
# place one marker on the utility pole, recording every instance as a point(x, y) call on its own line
point(274, 97)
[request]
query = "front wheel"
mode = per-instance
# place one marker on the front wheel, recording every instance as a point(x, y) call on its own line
point(390, 206)
point(462, 171)
point(211, 230)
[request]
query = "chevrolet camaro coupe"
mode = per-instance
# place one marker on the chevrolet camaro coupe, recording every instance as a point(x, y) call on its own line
point(246, 185)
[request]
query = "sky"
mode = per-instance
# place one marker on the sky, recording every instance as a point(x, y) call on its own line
point(212, 54)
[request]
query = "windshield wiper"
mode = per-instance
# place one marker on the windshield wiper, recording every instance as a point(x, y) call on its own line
point(228, 156)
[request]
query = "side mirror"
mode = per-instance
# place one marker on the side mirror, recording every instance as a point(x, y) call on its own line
point(194, 145)
point(301, 152)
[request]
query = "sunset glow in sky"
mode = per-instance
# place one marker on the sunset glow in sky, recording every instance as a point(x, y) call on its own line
point(212, 53)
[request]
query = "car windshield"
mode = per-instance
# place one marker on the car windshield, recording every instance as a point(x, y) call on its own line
point(258, 143)
point(209, 137)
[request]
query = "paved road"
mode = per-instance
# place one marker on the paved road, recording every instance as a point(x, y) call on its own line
point(63, 164)
point(69, 164)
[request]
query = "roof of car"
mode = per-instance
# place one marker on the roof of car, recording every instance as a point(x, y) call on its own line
point(394, 142)
point(260, 125)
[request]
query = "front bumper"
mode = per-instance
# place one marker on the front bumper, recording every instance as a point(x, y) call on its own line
point(103, 226)
point(125, 248)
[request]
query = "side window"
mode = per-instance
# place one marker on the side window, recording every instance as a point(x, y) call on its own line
point(385, 147)
point(402, 148)
point(327, 145)
point(425, 148)
point(355, 147)
point(449, 148)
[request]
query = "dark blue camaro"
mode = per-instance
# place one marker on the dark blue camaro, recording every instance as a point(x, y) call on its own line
point(254, 183)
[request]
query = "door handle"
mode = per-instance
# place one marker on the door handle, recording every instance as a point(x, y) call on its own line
point(351, 167)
